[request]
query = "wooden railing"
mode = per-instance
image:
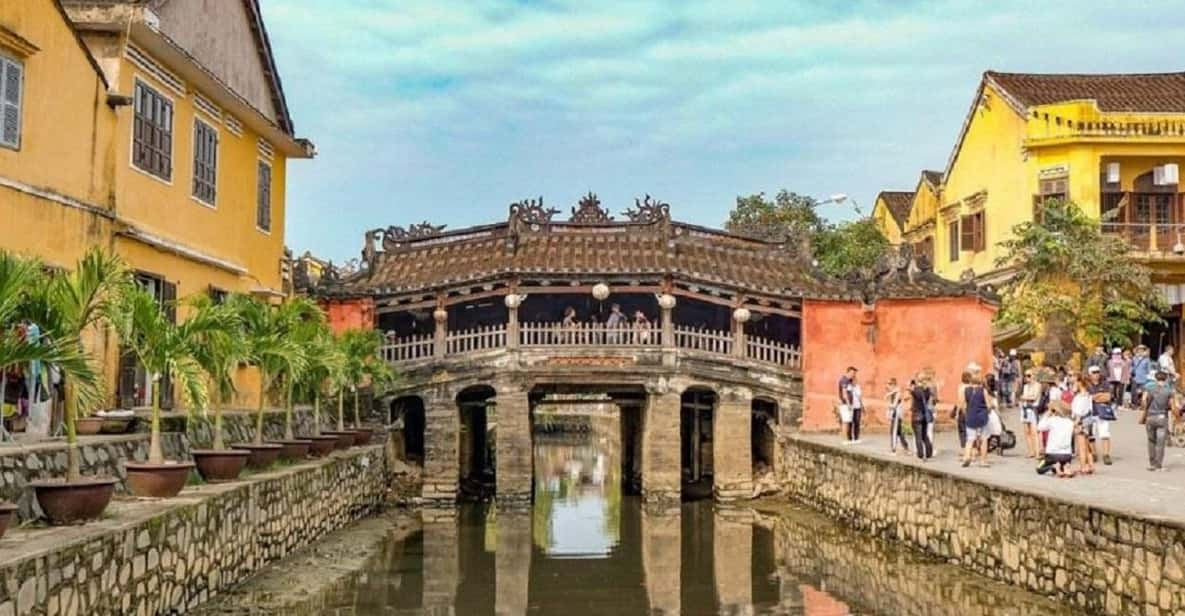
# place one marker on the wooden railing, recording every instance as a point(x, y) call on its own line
point(591, 336)
point(1151, 238)
point(586, 334)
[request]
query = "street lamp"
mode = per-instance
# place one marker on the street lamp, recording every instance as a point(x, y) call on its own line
point(840, 198)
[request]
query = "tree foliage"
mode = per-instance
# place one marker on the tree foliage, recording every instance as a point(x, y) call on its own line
point(838, 248)
point(1069, 270)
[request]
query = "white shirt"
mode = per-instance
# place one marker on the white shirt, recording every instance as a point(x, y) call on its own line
point(1061, 434)
point(857, 397)
point(1082, 405)
point(1166, 364)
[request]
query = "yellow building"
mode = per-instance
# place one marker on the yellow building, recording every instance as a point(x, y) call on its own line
point(156, 130)
point(1114, 144)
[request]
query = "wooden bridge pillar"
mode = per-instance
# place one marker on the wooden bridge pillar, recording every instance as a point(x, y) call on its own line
point(661, 558)
point(442, 566)
point(661, 462)
point(441, 447)
point(515, 466)
point(512, 575)
point(732, 442)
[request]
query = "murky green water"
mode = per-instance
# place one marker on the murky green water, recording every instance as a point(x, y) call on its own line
point(586, 549)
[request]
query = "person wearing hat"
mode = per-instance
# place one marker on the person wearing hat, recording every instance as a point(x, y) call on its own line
point(1059, 444)
point(1119, 372)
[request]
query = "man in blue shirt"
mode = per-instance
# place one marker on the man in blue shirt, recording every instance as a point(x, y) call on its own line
point(1141, 372)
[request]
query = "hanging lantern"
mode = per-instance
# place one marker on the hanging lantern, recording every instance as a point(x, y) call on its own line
point(666, 301)
point(741, 315)
point(440, 314)
point(600, 291)
point(513, 301)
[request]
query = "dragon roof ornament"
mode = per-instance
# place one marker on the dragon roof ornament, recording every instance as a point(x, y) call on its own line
point(646, 210)
point(589, 211)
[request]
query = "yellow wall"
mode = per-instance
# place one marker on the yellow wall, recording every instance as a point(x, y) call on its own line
point(885, 222)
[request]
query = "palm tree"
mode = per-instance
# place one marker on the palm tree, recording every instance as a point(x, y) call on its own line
point(325, 365)
point(219, 352)
point(361, 348)
point(271, 334)
point(67, 306)
point(166, 349)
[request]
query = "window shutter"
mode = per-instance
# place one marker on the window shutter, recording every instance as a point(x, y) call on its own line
point(127, 379)
point(967, 232)
point(980, 231)
point(10, 103)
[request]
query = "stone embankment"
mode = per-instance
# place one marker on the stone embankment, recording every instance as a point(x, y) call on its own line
point(1096, 559)
point(168, 556)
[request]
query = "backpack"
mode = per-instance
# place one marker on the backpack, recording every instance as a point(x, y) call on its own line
point(1067, 396)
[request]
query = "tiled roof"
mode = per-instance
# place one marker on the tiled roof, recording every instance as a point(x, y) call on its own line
point(557, 251)
point(899, 203)
point(934, 178)
point(1148, 92)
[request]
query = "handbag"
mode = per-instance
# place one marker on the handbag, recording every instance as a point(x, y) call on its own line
point(1104, 411)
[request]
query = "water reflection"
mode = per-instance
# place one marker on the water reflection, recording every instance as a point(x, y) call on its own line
point(586, 549)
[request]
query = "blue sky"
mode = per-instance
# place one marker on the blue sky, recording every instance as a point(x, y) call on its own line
point(448, 111)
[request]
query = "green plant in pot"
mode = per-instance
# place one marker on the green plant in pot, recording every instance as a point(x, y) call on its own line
point(219, 352)
point(325, 365)
point(363, 367)
point(71, 308)
point(164, 348)
point(301, 320)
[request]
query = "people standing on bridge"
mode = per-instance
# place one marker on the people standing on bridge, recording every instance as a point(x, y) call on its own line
point(615, 324)
point(1104, 412)
point(641, 328)
point(1119, 372)
point(978, 402)
point(1159, 402)
point(851, 405)
point(920, 417)
point(896, 417)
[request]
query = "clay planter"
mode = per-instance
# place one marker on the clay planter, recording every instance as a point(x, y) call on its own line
point(115, 425)
point(7, 513)
point(157, 480)
point(88, 425)
point(215, 465)
point(74, 502)
point(362, 436)
point(295, 449)
point(262, 456)
point(345, 438)
point(322, 445)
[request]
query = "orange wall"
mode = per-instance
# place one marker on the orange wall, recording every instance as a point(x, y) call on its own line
point(349, 314)
point(911, 335)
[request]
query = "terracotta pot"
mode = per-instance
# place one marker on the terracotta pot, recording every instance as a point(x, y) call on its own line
point(7, 513)
point(88, 425)
point(362, 436)
point(215, 465)
point(345, 438)
point(262, 456)
point(295, 449)
point(115, 425)
point(157, 480)
point(74, 502)
point(322, 445)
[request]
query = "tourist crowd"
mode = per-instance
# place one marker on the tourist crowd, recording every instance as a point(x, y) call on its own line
point(1066, 415)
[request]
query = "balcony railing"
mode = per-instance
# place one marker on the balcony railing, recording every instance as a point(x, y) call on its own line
point(1165, 239)
point(426, 347)
point(1069, 129)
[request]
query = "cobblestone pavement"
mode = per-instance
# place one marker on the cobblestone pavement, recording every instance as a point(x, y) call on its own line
point(1125, 486)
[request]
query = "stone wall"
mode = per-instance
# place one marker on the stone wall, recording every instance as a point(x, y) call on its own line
point(105, 454)
point(1100, 560)
point(157, 557)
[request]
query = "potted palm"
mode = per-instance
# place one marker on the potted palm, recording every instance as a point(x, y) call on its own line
point(342, 380)
point(364, 367)
point(68, 307)
point(164, 348)
point(302, 321)
point(219, 352)
point(325, 363)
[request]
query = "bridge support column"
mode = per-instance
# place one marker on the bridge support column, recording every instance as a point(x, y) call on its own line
point(441, 448)
point(732, 561)
point(732, 443)
point(661, 447)
point(515, 466)
point(661, 558)
point(442, 566)
point(512, 563)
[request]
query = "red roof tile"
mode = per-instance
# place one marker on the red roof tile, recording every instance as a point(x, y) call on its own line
point(1147, 92)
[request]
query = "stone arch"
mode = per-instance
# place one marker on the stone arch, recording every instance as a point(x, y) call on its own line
point(475, 456)
point(409, 413)
point(697, 415)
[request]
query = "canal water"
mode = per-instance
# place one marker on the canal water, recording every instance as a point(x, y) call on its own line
point(585, 548)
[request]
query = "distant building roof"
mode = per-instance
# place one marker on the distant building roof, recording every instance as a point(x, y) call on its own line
point(899, 203)
point(1136, 92)
point(934, 178)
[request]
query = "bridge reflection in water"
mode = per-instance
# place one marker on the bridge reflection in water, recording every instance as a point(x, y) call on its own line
point(585, 548)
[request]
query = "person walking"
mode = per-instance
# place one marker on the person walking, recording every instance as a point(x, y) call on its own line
point(978, 403)
point(1059, 450)
point(958, 410)
point(1141, 373)
point(920, 417)
point(1159, 401)
point(1007, 374)
point(1104, 412)
point(1119, 372)
point(849, 405)
point(1030, 397)
point(896, 417)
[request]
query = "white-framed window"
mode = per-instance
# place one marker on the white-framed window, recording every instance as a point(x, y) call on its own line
point(263, 197)
point(12, 82)
point(205, 162)
point(152, 132)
